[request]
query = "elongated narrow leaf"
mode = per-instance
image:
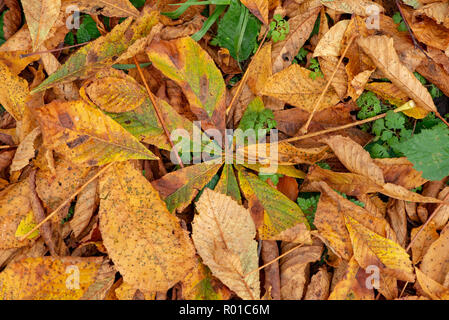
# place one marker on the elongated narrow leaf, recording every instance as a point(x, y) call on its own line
point(186, 63)
point(178, 188)
point(223, 233)
point(87, 136)
point(146, 243)
point(275, 215)
point(228, 185)
point(102, 52)
point(381, 50)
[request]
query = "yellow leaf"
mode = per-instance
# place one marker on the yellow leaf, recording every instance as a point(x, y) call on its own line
point(435, 263)
point(330, 44)
point(293, 85)
point(373, 249)
point(113, 94)
point(223, 233)
point(49, 278)
point(259, 70)
point(423, 242)
point(144, 240)
point(14, 208)
point(87, 136)
point(26, 225)
point(13, 91)
point(40, 16)
point(382, 52)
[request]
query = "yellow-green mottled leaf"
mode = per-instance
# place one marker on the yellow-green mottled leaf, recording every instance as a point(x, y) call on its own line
point(228, 184)
point(13, 91)
point(102, 52)
point(276, 216)
point(26, 225)
point(178, 188)
point(186, 63)
point(87, 136)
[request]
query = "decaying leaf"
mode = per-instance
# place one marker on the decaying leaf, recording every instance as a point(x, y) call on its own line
point(223, 233)
point(144, 240)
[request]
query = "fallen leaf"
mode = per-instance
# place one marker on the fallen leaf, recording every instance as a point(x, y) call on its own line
point(108, 8)
point(146, 243)
point(359, 7)
point(25, 151)
point(259, 8)
point(223, 234)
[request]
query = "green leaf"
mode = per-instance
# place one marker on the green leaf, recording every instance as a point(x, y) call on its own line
point(394, 120)
point(279, 212)
point(257, 117)
point(137, 3)
point(429, 152)
point(2, 35)
point(88, 30)
point(236, 36)
point(228, 184)
point(69, 39)
point(369, 104)
point(308, 203)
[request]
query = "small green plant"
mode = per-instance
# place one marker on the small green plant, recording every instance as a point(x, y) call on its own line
point(397, 18)
point(315, 67)
point(88, 30)
point(279, 28)
point(302, 54)
point(257, 117)
point(2, 36)
point(308, 203)
point(369, 105)
point(273, 177)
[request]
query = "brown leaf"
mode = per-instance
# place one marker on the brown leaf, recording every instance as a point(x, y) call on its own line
point(259, 8)
point(25, 150)
point(318, 289)
point(12, 19)
point(86, 204)
point(423, 241)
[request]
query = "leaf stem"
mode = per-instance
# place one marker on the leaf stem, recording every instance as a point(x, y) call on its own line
point(158, 113)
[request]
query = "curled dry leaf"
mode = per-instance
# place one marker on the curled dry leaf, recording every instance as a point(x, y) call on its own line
point(318, 289)
point(359, 7)
point(330, 44)
point(146, 243)
point(283, 52)
point(430, 287)
point(223, 233)
point(85, 206)
point(25, 150)
point(382, 52)
point(12, 18)
point(295, 268)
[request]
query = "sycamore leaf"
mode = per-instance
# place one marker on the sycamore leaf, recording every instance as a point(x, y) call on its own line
point(25, 150)
point(223, 233)
point(102, 52)
point(13, 91)
point(40, 16)
point(293, 85)
point(352, 286)
point(199, 284)
point(146, 243)
point(87, 136)
point(275, 215)
point(301, 25)
point(330, 44)
point(178, 188)
point(228, 184)
point(373, 249)
point(49, 278)
point(431, 288)
point(186, 63)
point(359, 7)
point(259, 8)
point(382, 52)
point(355, 158)
point(15, 206)
point(108, 8)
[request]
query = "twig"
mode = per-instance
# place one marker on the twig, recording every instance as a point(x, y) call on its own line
point(65, 202)
point(428, 221)
point(304, 129)
point(273, 261)
point(158, 113)
point(245, 76)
